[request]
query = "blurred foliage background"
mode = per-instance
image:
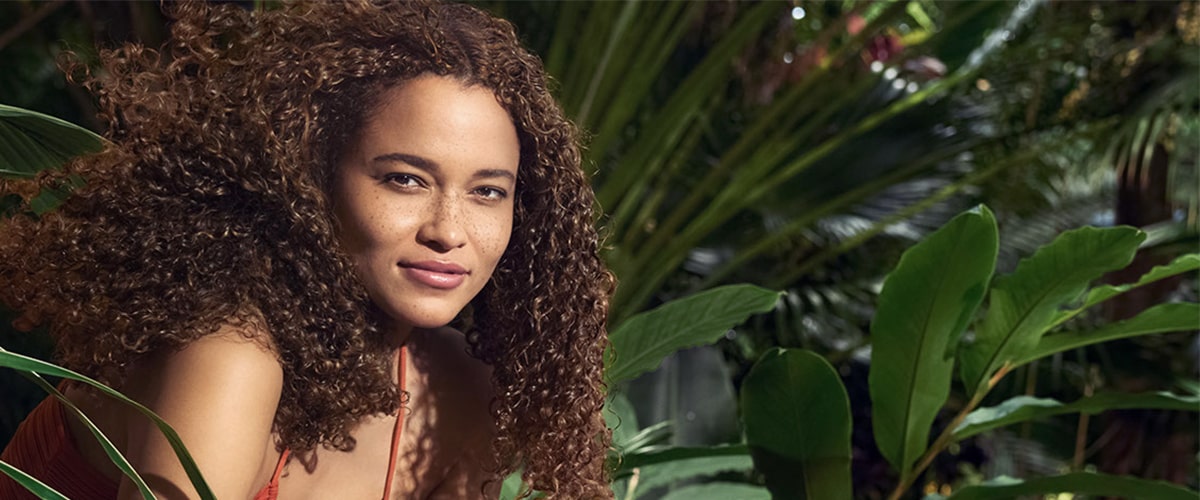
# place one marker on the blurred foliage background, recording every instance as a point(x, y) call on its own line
point(802, 146)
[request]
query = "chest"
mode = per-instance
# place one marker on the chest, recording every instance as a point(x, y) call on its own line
point(422, 461)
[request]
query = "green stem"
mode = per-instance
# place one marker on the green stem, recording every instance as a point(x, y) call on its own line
point(947, 435)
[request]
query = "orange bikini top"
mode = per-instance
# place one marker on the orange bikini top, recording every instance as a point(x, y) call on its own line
point(271, 490)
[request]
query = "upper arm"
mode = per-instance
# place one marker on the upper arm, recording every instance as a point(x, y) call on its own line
point(220, 394)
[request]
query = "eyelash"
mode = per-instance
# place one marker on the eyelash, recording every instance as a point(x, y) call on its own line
point(403, 180)
point(488, 193)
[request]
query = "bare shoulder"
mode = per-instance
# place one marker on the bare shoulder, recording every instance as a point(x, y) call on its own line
point(220, 393)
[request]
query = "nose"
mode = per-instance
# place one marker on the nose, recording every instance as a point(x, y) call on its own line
point(442, 227)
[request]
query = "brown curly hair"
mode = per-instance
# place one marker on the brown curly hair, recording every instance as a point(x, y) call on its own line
point(210, 206)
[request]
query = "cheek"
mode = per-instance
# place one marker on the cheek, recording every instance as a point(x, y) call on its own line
point(494, 236)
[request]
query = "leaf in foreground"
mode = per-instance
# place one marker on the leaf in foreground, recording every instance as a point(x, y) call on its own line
point(1024, 304)
point(924, 307)
point(797, 420)
point(26, 363)
point(640, 343)
point(31, 483)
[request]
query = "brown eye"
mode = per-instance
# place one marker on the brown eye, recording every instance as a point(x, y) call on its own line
point(491, 193)
point(403, 180)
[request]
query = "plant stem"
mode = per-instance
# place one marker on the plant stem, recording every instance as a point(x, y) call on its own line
point(947, 435)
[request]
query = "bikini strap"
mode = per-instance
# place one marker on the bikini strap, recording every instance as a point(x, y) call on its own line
point(398, 429)
point(279, 466)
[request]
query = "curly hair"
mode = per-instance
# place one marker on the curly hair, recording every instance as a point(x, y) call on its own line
point(210, 205)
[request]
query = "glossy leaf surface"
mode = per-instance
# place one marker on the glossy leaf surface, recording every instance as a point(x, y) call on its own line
point(924, 307)
point(641, 343)
point(1024, 304)
point(797, 421)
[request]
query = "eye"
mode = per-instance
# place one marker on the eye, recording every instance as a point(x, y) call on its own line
point(490, 193)
point(403, 180)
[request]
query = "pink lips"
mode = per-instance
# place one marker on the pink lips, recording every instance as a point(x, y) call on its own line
point(441, 275)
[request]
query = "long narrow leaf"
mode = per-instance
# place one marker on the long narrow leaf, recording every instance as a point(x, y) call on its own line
point(1088, 483)
point(20, 362)
point(719, 491)
point(1023, 304)
point(924, 307)
point(797, 420)
point(31, 483)
point(672, 453)
point(1025, 408)
point(33, 141)
point(1181, 264)
point(642, 342)
point(109, 448)
point(666, 473)
point(1162, 318)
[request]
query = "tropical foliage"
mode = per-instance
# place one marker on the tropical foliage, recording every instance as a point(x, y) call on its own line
point(803, 146)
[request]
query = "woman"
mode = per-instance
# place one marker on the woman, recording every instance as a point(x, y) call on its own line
point(293, 206)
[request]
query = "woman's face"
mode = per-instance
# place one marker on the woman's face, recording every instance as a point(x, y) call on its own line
point(424, 197)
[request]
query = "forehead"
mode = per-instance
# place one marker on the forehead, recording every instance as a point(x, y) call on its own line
point(441, 117)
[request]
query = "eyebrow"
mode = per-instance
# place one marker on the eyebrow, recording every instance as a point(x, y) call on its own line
point(432, 167)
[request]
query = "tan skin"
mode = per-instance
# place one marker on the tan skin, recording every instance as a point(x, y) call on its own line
point(424, 197)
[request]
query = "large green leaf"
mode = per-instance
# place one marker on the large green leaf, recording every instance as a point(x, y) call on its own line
point(924, 307)
point(719, 491)
point(797, 421)
point(28, 364)
point(1088, 483)
point(641, 343)
point(1023, 304)
point(1024, 408)
point(1162, 318)
point(31, 142)
point(1181, 264)
point(31, 483)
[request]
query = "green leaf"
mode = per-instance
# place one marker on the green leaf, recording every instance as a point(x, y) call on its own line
point(719, 491)
point(924, 307)
point(666, 473)
point(1162, 318)
point(512, 486)
point(109, 448)
point(651, 457)
point(31, 142)
point(31, 483)
point(1024, 408)
point(1024, 304)
point(620, 417)
point(641, 343)
point(1088, 483)
point(1181, 264)
point(28, 364)
point(797, 420)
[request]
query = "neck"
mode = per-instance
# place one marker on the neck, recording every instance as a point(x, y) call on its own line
point(395, 334)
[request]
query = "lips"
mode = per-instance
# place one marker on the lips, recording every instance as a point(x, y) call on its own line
point(434, 274)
